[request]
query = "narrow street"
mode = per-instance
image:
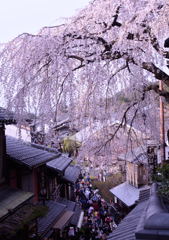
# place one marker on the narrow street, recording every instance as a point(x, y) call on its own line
point(100, 217)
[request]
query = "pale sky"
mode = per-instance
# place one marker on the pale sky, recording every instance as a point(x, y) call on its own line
point(18, 16)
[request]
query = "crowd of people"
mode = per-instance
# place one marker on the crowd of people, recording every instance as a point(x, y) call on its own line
point(100, 218)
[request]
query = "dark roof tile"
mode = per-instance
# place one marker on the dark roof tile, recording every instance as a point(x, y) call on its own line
point(45, 223)
point(72, 206)
point(32, 157)
point(72, 173)
point(60, 163)
point(126, 229)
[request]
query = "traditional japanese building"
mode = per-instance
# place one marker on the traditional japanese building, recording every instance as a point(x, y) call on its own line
point(127, 193)
point(11, 199)
point(28, 168)
point(148, 220)
point(34, 177)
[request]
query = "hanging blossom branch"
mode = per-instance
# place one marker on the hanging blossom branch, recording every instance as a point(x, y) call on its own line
point(124, 123)
point(120, 125)
point(117, 32)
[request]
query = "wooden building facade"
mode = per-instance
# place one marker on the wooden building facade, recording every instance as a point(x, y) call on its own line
point(33, 176)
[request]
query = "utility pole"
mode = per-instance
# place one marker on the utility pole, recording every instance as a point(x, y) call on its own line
point(162, 128)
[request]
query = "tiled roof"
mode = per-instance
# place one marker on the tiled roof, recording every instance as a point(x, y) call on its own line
point(72, 206)
point(45, 148)
point(11, 199)
point(26, 154)
point(60, 163)
point(127, 193)
point(127, 228)
point(148, 220)
point(63, 220)
point(6, 116)
point(144, 194)
point(72, 173)
point(154, 222)
point(54, 213)
point(12, 223)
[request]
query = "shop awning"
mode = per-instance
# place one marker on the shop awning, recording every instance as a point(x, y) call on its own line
point(127, 193)
point(79, 224)
point(64, 219)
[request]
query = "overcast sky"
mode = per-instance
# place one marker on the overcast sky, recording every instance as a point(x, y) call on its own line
point(18, 16)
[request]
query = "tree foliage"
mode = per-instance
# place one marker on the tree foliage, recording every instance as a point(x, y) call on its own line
point(70, 146)
point(162, 177)
point(109, 47)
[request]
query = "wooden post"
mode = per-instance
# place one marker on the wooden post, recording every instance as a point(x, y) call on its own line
point(35, 185)
point(162, 130)
point(2, 154)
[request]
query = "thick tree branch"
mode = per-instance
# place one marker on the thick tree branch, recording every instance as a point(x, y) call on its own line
point(158, 73)
point(155, 88)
